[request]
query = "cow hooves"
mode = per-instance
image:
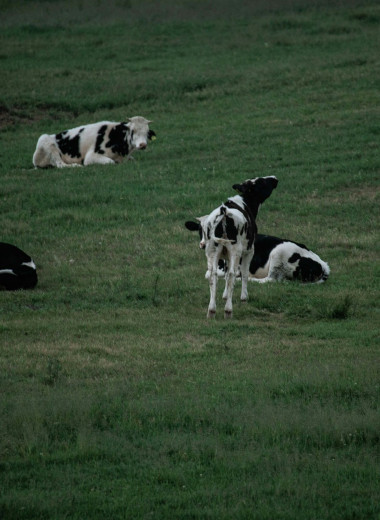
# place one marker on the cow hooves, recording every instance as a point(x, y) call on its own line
point(228, 314)
point(244, 301)
point(211, 314)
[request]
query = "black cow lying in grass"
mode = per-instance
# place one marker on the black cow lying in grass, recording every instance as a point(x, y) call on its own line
point(276, 259)
point(17, 269)
point(228, 233)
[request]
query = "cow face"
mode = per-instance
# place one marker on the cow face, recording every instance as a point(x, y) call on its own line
point(197, 226)
point(260, 188)
point(139, 132)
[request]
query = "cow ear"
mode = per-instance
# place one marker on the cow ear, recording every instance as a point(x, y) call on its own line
point(192, 226)
point(152, 135)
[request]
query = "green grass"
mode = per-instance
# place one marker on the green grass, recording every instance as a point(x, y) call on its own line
point(118, 398)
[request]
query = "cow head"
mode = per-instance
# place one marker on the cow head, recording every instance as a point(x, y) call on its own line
point(139, 132)
point(259, 188)
point(197, 226)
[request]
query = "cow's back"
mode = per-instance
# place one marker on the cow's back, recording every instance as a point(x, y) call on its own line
point(75, 143)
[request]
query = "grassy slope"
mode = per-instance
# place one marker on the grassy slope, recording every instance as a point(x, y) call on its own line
point(120, 399)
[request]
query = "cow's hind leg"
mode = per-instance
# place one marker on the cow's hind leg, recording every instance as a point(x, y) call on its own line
point(40, 158)
point(47, 154)
point(230, 283)
point(212, 264)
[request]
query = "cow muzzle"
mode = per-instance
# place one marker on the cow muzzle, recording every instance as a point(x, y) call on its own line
point(142, 146)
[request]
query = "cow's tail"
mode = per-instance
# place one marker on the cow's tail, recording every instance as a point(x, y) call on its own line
point(221, 219)
point(222, 241)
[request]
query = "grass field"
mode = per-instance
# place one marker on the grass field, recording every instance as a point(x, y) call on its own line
point(119, 399)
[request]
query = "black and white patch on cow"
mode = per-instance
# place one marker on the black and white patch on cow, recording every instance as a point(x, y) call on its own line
point(98, 143)
point(17, 269)
point(228, 233)
point(276, 259)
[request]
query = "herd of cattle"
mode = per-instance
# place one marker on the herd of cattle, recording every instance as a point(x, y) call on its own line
point(228, 234)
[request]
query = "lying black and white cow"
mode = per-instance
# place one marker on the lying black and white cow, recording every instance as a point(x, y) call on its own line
point(17, 269)
point(276, 259)
point(98, 143)
point(228, 233)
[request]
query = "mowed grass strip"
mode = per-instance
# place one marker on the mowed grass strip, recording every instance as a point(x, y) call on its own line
point(119, 398)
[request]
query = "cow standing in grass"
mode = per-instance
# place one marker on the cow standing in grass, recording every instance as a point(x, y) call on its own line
point(98, 143)
point(229, 233)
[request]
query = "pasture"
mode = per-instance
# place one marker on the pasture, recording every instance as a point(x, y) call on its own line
point(119, 399)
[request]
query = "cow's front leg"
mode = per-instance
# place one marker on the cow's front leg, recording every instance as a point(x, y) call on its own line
point(96, 158)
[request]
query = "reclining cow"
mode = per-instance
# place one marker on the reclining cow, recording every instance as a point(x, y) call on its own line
point(276, 259)
point(17, 269)
point(229, 233)
point(98, 143)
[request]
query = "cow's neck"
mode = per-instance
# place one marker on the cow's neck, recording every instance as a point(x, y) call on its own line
point(252, 204)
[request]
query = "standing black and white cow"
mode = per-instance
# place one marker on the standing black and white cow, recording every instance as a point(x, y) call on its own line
point(276, 259)
point(17, 269)
point(98, 143)
point(229, 232)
